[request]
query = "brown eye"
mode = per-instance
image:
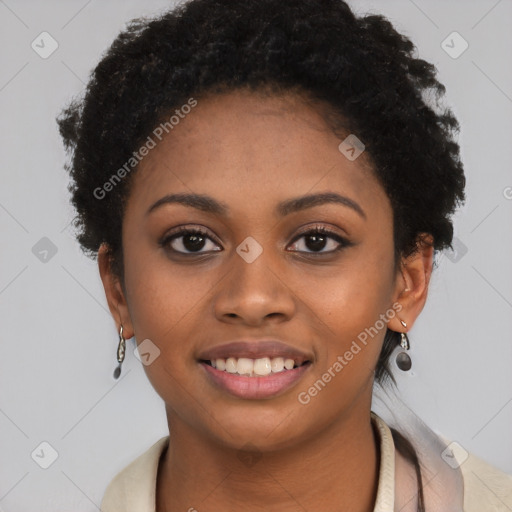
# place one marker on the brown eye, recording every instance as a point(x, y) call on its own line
point(318, 239)
point(189, 241)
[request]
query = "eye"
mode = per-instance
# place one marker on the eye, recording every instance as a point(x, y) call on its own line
point(194, 240)
point(318, 238)
point(188, 241)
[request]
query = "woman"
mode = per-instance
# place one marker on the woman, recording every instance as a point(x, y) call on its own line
point(264, 185)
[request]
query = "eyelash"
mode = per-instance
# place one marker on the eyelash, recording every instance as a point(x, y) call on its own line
point(321, 230)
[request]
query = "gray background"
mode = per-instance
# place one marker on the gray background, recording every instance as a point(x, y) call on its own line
point(58, 340)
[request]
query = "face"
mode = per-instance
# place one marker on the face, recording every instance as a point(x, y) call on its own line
point(259, 271)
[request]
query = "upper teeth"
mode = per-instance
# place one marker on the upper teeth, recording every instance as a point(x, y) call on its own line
point(246, 366)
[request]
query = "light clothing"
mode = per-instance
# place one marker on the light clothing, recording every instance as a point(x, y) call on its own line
point(483, 488)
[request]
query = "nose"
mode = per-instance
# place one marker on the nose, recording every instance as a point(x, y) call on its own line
point(254, 292)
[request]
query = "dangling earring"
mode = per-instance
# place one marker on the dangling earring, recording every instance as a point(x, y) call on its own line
point(403, 360)
point(121, 349)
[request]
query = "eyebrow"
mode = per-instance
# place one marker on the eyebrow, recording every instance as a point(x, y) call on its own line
point(210, 205)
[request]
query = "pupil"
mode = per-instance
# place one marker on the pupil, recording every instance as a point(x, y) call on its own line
point(318, 242)
point(197, 242)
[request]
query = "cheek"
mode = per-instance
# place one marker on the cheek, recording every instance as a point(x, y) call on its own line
point(350, 309)
point(160, 297)
point(161, 309)
point(350, 296)
point(351, 332)
point(168, 306)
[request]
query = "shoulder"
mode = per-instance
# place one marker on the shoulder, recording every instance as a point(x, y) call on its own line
point(485, 486)
point(133, 488)
point(450, 474)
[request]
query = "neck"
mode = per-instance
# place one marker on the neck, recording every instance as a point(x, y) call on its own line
point(336, 469)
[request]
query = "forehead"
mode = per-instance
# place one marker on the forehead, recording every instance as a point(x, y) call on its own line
point(247, 148)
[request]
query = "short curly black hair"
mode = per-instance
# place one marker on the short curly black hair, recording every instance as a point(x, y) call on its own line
point(360, 67)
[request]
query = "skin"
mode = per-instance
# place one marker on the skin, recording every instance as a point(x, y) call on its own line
point(250, 152)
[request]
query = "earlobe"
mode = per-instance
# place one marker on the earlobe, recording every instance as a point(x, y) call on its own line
point(413, 282)
point(114, 292)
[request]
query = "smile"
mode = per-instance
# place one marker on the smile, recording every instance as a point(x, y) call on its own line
point(254, 367)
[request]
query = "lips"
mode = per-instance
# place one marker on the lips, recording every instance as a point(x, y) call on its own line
point(254, 385)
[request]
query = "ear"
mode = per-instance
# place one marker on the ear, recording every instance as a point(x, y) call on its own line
point(412, 283)
point(114, 292)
